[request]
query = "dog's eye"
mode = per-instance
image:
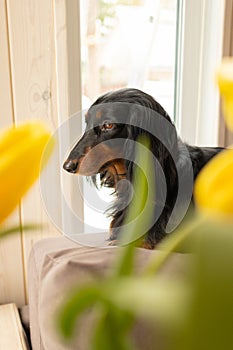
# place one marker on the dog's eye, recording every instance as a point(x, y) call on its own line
point(107, 126)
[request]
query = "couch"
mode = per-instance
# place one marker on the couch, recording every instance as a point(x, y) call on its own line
point(58, 264)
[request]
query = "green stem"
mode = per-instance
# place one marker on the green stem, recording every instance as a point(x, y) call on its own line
point(17, 229)
point(171, 244)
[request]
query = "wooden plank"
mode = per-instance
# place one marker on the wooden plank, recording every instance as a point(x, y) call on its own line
point(12, 335)
point(12, 287)
point(38, 70)
point(11, 262)
point(74, 58)
point(31, 37)
point(68, 58)
point(6, 112)
point(69, 91)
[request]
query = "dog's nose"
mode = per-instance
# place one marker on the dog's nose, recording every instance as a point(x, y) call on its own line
point(71, 165)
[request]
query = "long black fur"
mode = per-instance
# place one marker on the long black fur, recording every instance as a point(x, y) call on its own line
point(136, 113)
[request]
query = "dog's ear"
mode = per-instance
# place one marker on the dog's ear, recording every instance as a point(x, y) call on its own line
point(157, 127)
point(134, 126)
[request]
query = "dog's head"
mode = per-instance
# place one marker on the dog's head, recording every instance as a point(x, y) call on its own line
point(112, 123)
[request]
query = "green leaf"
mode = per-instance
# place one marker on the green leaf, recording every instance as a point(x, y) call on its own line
point(77, 302)
point(153, 299)
point(140, 209)
point(112, 317)
point(170, 244)
point(209, 321)
point(113, 322)
point(17, 229)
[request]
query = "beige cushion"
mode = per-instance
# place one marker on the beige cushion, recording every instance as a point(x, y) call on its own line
point(57, 264)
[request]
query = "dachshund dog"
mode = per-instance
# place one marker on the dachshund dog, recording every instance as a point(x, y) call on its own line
point(114, 123)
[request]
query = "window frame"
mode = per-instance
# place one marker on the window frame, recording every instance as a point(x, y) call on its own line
point(196, 118)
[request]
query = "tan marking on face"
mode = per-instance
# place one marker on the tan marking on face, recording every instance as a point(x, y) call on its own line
point(120, 166)
point(98, 115)
point(118, 169)
point(95, 159)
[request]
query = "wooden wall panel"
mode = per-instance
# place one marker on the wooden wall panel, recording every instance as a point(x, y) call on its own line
point(11, 257)
point(68, 60)
point(39, 78)
point(31, 37)
point(12, 269)
point(6, 110)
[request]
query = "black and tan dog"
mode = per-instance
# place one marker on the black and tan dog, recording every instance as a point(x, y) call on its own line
point(113, 124)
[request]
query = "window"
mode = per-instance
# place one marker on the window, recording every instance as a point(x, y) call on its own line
point(125, 43)
point(169, 49)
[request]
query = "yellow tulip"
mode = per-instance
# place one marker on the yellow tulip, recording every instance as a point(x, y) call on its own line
point(21, 150)
point(214, 186)
point(225, 82)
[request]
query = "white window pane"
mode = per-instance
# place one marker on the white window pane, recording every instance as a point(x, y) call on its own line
point(129, 43)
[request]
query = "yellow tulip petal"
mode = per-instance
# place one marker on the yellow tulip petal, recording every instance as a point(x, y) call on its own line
point(213, 190)
point(225, 83)
point(21, 150)
point(228, 112)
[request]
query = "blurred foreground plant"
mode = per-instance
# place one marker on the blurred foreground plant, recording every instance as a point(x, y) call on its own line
point(225, 82)
point(193, 312)
point(214, 185)
point(21, 150)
